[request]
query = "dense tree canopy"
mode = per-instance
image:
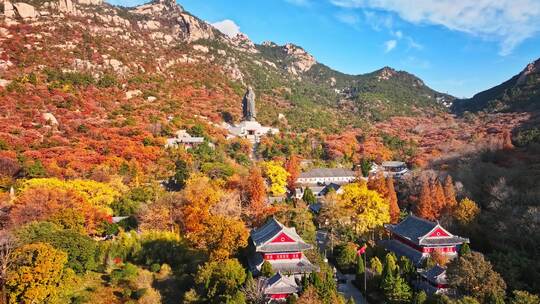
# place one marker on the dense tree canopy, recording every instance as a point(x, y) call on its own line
point(366, 209)
point(36, 273)
point(472, 275)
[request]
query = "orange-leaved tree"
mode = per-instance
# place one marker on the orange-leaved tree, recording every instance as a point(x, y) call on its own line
point(43, 202)
point(36, 273)
point(256, 189)
point(293, 167)
point(450, 194)
point(393, 200)
point(200, 194)
point(424, 207)
point(378, 183)
point(439, 199)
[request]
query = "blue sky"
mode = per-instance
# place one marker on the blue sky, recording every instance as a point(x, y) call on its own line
point(456, 46)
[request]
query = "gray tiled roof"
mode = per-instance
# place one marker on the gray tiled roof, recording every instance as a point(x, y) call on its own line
point(401, 249)
point(454, 240)
point(329, 187)
point(294, 266)
point(393, 164)
point(412, 228)
point(425, 286)
point(262, 236)
point(281, 284)
point(327, 172)
point(433, 274)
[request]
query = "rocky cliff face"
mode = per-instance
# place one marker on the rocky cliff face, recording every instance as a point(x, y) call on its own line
point(531, 69)
point(302, 61)
point(161, 41)
point(163, 16)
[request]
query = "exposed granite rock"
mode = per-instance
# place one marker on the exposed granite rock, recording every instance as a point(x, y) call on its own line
point(4, 82)
point(50, 119)
point(533, 67)
point(243, 43)
point(303, 61)
point(158, 7)
point(90, 2)
point(151, 25)
point(9, 10)
point(66, 6)
point(25, 11)
point(195, 29)
point(133, 93)
point(201, 48)
point(386, 73)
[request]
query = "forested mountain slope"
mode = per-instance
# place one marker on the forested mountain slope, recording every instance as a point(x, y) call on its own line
point(161, 39)
point(519, 93)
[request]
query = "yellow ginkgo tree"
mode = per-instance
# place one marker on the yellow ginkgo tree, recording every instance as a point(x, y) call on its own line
point(365, 209)
point(277, 176)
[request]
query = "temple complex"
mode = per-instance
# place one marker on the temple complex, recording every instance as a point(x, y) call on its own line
point(279, 287)
point(281, 246)
point(183, 138)
point(249, 128)
point(416, 238)
point(433, 281)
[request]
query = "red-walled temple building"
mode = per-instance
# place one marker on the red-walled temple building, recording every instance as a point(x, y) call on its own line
point(284, 249)
point(417, 238)
point(433, 281)
point(279, 287)
point(281, 246)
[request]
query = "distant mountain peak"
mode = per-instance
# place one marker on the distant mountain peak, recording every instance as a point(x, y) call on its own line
point(519, 93)
point(531, 68)
point(386, 73)
point(269, 43)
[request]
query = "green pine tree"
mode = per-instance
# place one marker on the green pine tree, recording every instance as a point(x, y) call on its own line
point(420, 297)
point(292, 299)
point(464, 249)
point(360, 267)
point(249, 279)
point(390, 263)
point(309, 197)
point(399, 292)
point(406, 267)
point(387, 281)
point(305, 282)
point(266, 269)
point(376, 265)
point(495, 298)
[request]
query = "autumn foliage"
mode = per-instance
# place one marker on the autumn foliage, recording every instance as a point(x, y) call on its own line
point(386, 189)
point(435, 199)
point(42, 203)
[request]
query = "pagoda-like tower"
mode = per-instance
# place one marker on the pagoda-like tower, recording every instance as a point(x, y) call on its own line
point(416, 238)
point(281, 246)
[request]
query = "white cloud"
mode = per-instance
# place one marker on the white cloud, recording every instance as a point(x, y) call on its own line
point(390, 45)
point(378, 21)
point(509, 22)
point(348, 18)
point(227, 27)
point(398, 34)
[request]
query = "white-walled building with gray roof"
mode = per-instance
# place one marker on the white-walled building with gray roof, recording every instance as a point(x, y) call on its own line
point(327, 176)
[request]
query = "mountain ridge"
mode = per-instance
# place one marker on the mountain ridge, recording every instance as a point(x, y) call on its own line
point(282, 74)
point(519, 93)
